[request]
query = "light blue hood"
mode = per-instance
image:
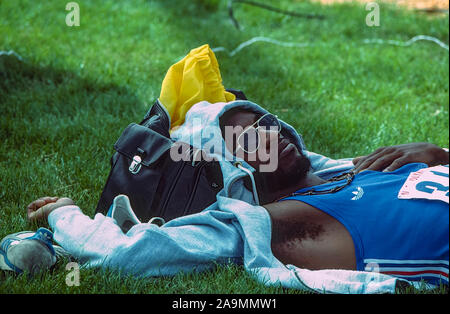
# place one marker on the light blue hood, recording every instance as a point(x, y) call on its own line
point(202, 130)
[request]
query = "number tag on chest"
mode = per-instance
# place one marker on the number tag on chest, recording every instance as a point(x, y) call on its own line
point(428, 183)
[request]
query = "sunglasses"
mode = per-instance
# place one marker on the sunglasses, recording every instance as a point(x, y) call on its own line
point(249, 139)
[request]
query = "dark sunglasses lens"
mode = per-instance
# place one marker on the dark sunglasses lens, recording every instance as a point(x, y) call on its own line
point(269, 121)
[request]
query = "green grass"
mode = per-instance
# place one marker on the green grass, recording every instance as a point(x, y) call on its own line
point(64, 105)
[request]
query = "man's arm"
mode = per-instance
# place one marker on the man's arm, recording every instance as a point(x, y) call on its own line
point(393, 157)
point(146, 249)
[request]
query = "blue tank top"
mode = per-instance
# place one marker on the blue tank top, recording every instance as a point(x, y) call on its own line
point(408, 238)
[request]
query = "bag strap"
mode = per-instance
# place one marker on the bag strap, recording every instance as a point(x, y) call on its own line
point(157, 119)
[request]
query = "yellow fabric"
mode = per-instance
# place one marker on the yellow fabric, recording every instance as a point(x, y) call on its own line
point(193, 79)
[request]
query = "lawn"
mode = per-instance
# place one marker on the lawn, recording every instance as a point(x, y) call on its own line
point(73, 90)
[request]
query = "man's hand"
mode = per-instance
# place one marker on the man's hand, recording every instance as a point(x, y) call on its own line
point(41, 208)
point(393, 157)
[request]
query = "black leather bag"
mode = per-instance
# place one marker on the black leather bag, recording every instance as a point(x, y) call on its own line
point(156, 185)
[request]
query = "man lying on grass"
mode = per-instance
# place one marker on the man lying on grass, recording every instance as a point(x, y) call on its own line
point(391, 212)
point(355, 220)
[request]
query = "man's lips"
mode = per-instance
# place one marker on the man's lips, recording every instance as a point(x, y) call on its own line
point(287, 150)
point(282, 145)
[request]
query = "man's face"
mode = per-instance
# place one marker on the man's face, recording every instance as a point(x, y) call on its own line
point(291, 165)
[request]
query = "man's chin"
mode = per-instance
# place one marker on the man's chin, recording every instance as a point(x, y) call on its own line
point(273, 185)
point(291, 159)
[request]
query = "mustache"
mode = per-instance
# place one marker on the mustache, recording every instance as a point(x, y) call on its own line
point(269, 184)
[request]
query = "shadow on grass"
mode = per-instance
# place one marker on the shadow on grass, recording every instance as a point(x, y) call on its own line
point(58, 131)
point(55, 91)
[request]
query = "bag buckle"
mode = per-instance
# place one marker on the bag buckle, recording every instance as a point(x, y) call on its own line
point(135, 165)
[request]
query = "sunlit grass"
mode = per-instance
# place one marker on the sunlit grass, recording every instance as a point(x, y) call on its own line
point(76, 88)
